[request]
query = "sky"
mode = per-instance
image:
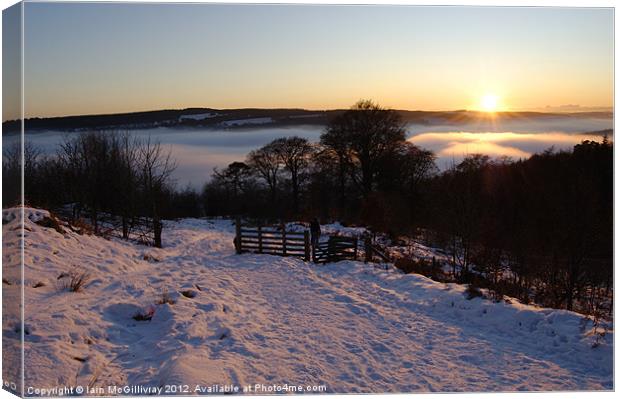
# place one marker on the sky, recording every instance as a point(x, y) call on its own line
point(107, 58)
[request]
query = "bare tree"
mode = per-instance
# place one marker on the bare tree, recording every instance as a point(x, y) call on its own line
point(85, 159)
point(295, 154)
point(12, 170)
point(266, 163)
point(125, 155)
point(156, 166)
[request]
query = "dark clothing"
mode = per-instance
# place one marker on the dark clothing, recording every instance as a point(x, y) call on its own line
point(315, 232)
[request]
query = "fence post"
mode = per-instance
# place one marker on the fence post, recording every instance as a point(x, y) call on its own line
point(314, 249)
point(331, 250)
point(367, 250)
point(260, 239)
point(238, 235)
point(307, 245)
point(283, 227)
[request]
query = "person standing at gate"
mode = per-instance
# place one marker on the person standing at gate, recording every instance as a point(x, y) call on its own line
point(315, 232)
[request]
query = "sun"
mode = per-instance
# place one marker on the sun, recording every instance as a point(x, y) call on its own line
point(489, 102)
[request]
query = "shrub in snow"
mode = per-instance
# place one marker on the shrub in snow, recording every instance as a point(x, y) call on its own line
point(166, 298)
point(81, 227)
point(472, 292)
point(599, 327)
point(497, 295)
point(428, 269)
point(73, 281)
point(50, 222)
point(150, 258)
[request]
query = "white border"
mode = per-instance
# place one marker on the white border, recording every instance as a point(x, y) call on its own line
point(508, 3)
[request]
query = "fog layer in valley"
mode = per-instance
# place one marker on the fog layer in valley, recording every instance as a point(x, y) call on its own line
point(198, 151)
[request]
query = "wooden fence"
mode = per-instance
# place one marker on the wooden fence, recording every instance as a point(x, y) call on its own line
point(335, 249)
point(371, 251)
point(264, 240)
point(269, 240)
point(273, 241)
point(139, 229)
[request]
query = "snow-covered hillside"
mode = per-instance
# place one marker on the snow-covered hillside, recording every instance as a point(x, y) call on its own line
point(259, 319)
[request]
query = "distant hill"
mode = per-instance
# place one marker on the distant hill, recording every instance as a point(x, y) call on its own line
point(254, 117)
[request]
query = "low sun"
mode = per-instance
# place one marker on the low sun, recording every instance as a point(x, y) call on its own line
point(489, 102)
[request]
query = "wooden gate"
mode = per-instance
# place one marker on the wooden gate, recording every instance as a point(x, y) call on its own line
point(335, 249)
point(272, 241)
point(265, 240)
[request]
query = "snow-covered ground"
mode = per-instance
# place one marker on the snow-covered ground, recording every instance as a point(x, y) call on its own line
point(259, 319)
point(198, 117)
point(249, 121)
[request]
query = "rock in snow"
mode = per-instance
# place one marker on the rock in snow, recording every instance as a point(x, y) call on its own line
point(260, 319)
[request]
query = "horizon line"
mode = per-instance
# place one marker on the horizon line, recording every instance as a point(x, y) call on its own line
point(540, 110)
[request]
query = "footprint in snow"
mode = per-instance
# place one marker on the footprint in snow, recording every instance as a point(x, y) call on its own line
point(189, 293)
point(222, 333)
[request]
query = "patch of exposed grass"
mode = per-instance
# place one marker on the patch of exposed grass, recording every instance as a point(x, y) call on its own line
point(166, 298)
point(473, 292)
point(150, 258)
point(51, 222)
point(73, 281)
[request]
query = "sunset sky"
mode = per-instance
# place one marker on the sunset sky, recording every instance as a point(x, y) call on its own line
point(104, 58)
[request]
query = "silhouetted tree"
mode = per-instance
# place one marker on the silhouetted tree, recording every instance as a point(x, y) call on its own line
point(333, 160)
point(231, 191)
point(234, 176)
point(12, 170)
point(156, 166)
point(295, 154)
point(366, 134)
point(266, 163)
